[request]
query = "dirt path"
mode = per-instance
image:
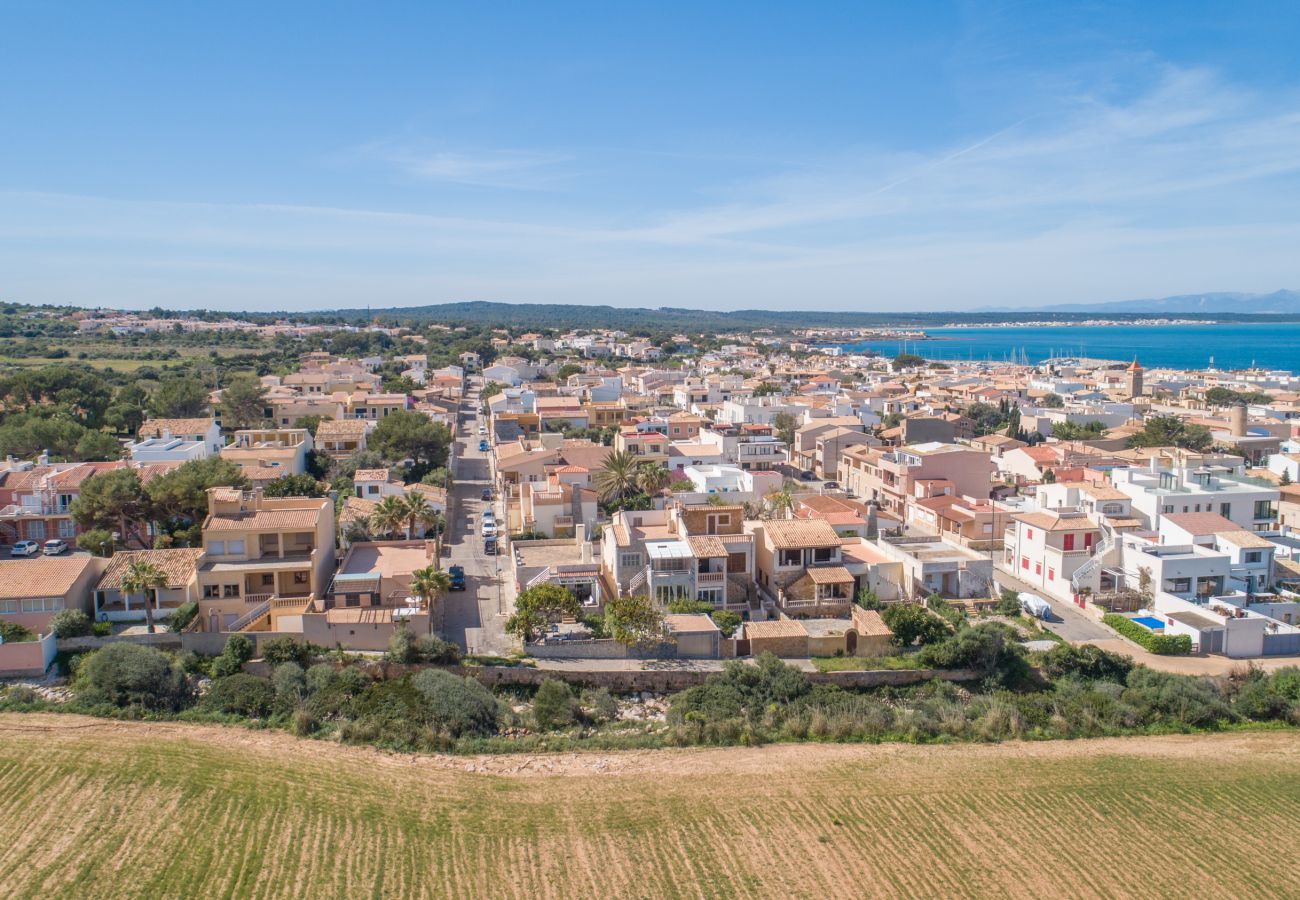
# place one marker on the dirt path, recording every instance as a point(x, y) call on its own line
point(739, 761)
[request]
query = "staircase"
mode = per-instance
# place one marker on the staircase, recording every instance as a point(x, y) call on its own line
point(636, 584)
point(1084, 573)
point(251, 616)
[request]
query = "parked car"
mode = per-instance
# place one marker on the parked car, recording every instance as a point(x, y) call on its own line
point(489, 528)
point(457, 574)
point(490, 546)
point(487, 494)
point(25, 548)
point(482, 429)
point(55, 547)
point(807, 476)
point(831, 485)
point(482, 446)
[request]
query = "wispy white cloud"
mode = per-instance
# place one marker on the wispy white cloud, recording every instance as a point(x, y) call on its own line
point(526, 170)
point(1186, 184)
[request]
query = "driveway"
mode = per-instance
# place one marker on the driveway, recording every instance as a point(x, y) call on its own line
point(476, 616)
point(1070, 622)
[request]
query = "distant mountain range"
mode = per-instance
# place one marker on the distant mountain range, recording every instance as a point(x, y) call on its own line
point(1276, 303)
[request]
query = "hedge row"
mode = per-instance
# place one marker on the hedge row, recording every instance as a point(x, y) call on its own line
point(1163, 644)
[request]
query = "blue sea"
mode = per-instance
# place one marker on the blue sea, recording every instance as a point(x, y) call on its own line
point(1275, 345)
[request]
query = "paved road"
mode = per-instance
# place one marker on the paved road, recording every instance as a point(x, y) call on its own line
point(1068, 620)
point(1078, 627)
point(475, 616)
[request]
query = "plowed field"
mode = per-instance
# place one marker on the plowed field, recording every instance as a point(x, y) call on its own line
point(90, 808)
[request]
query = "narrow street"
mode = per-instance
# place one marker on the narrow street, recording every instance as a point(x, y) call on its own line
point(475, 616)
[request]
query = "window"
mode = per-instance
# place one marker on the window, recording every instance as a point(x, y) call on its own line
point(236, 547)
point(1180, 585)
point(1225, 510)
point(629, 560)
point(790, 558)
point(1051, 574)
point(216, 547)
point(67, 528)
point(1264, 509)
point(268, 579)
point(211, 591)
point(1254, 556)
point(1024, 562)
point(299, 577)
point(230, 590)
point(1166, 509)
point(1112, 509)
point(1069, 542)
point(822, 554)
point(36, 530)
point(1038, 568)
point(1029, 534)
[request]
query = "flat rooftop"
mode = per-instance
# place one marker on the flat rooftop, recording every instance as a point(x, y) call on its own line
point(547, 555)
point(386, 559)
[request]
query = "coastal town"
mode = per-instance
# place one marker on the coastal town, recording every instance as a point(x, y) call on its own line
point(694, 497)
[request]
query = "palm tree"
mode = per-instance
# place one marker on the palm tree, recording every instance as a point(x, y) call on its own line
point(653, 478)
point(388, 516)
point(617, 478)
point(781, 503)
point(139, 578)
point(428, 584)
point(418, 512)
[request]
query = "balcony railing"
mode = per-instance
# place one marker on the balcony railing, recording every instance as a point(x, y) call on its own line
point(710, 579)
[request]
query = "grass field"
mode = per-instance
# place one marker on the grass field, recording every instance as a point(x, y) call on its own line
point(101, 808)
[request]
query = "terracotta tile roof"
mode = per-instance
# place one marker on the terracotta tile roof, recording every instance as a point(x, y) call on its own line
point(778, 628)
point(263, 520)
point(1201, 523)
point(798, 534)
point(869, 623)
point(705, 547)
point(76, 475)
point(341, 428)
point(264, 473)
point(44, 576)
point(830, 575)
point(370, 475)
point(1243, 538)
point(1103, 492)
point(1051, 522)
point(178, 565)
point(175, 427)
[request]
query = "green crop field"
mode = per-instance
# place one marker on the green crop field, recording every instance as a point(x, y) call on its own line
point(94, 808)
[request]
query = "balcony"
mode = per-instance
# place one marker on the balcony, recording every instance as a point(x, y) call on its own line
point(710, 579)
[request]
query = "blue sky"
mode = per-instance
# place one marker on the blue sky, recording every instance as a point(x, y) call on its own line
point(863, 156)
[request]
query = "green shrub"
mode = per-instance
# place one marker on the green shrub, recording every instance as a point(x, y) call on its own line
point(1162, 644)
point(238, 650)
point(182, 616)
point(278, 651)
point(241, 695)
point(1008, 603)
point(437, 651)
point(290, 683)
point(13, 633)
point(599, 705)
point(988, 649)
point(726, 620)
point(456, 706)
point(912, 624)
point(683, 606)
point(401, 647)
point(102, 629)
point(1263, 697)
point(70, 623)
point(1182, 699)
point(131, 675)
point(553, 705)
point(1086, 661)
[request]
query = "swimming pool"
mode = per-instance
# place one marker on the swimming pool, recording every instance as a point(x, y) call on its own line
point(1150, 622)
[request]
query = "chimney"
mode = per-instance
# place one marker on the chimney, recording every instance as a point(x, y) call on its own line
point(44, 458)
point(1237, 420)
